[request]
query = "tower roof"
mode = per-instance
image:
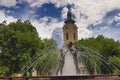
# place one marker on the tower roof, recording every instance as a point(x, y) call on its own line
point(69, 17)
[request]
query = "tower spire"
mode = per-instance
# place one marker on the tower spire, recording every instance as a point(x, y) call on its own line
point(69, 17)
point(70, 32)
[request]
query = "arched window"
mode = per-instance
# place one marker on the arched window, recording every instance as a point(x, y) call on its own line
point(74, 36)
point(66, 36)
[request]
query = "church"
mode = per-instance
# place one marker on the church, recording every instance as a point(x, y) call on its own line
point(70, 33)
point(70, 63)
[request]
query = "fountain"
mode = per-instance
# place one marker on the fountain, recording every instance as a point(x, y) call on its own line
point(69, 62)
point(74, 61)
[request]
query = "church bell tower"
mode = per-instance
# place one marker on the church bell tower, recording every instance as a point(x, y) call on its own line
point(70, 33)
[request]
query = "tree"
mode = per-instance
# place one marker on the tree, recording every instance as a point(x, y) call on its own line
point(107, 50)
point(114, 61)
point(19, 42)
point(49, 59)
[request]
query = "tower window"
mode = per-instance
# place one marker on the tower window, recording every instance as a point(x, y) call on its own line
point(74, 36)
point(66, 36)
point(66, 27)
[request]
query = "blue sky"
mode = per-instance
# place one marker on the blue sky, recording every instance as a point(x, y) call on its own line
point(93, 17)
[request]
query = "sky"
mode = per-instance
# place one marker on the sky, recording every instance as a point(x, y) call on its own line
point(93, 17)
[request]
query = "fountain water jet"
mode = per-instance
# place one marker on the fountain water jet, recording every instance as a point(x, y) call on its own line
point(69, 63)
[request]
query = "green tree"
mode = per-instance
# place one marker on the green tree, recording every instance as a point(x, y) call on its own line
point(19, 41)
point(114, 61)
point(49, 58)
point(105, 48)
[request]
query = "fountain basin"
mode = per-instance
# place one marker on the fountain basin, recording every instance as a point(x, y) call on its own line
point(75, 77)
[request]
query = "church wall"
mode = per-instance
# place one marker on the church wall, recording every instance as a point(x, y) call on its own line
point(70, 33)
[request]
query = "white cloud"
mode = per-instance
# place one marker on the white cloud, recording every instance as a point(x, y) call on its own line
point(93, 12)
point(84, 33)
point(86, 12)
point(58, 37)
point(109, 32)
point(3, 17)
point(8, 3)
point(64, 13)
point(117, 17)
point(37, 3)
point(42, 31)
point(46, 25)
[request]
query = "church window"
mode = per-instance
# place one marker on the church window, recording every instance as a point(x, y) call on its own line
point(66, 27)
point(66, 36)
point(74, 36)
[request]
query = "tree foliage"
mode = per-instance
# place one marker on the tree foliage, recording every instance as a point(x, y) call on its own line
point(49, 58)
point(107, 54)
point(22, 50)
point(19, 41)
